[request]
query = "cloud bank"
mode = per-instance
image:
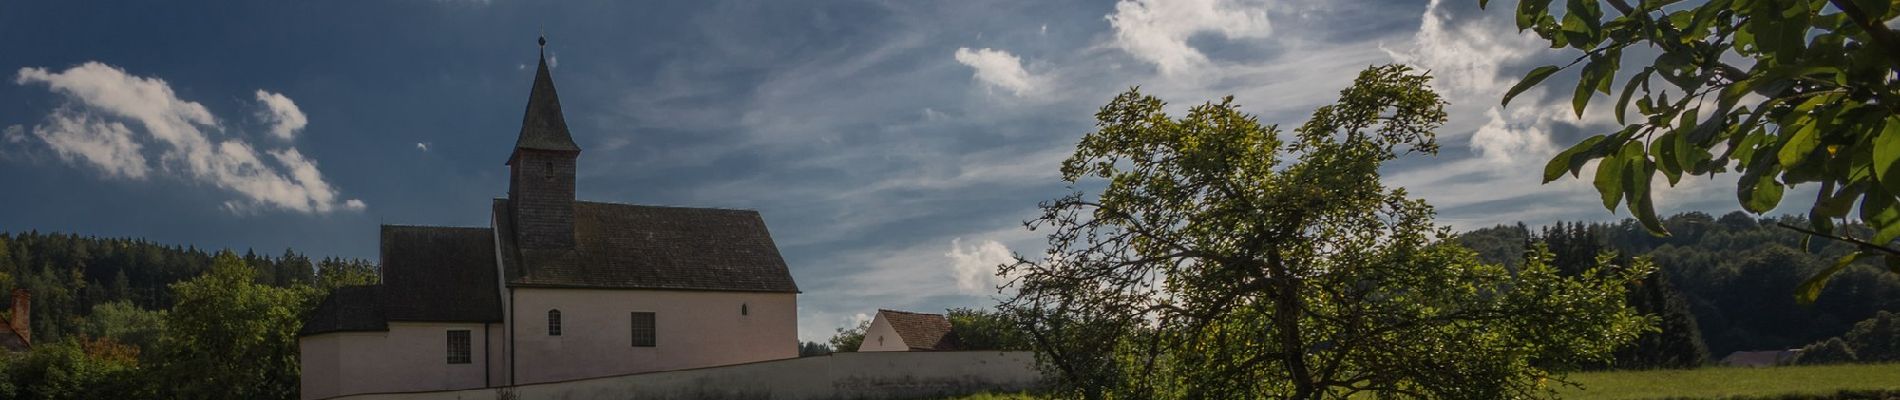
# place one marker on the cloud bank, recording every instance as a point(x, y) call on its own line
point(133, 127)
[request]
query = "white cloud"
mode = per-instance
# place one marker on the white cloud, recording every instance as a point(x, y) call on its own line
point(998, 68)
point(1519, 138)
point(283, 115)
point(14, 134)
point(106, 145)
point(1158, 32)
point(424, 147)
point(1467, 57)
point(93, 128)
point(975, 266)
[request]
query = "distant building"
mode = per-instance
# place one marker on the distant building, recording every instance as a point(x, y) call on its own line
point(893, 330)
point(554, 289)
point(16, 330)
point(1768, 358)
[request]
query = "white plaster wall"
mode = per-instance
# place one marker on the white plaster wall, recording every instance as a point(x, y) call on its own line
point(694, 329)
point(411, 356)
point(882, 337)
point(887, 375)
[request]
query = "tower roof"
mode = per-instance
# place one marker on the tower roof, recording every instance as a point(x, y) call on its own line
point(543, 127)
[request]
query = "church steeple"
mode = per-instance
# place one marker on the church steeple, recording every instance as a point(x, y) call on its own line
point(543, 127)
point(541, 170)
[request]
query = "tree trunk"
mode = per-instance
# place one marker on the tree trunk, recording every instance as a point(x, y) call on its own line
point(1286, 317)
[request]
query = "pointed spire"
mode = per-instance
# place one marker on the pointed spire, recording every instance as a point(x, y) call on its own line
point(543, 127)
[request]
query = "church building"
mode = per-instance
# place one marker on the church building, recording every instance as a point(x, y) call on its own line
point(554, 288)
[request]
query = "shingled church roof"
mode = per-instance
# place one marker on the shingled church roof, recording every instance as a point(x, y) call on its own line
point(347, 309)
point(433, 273)
point(543, 127)
point(624, 246)
point(429, 273)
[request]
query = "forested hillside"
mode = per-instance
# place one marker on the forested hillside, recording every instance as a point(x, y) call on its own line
point(1735, 274)
point(71, 274)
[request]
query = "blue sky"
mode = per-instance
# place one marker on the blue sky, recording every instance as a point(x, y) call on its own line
point(893, 148)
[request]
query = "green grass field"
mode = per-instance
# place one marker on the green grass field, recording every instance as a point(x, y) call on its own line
point(1715, 383)
point(1807, 382)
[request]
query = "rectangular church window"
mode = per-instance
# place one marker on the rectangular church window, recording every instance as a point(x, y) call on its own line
point(644, 331)
point(459, 347)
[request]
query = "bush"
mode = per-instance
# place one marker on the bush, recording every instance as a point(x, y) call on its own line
point(1831, 351)
point(71, 369)
point(1874, 340)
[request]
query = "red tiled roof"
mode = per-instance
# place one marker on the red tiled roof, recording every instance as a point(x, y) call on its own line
point(929, 332)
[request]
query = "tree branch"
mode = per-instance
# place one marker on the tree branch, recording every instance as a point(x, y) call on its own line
point(1882, 36)
point(1621, 6)
point(1862, 243)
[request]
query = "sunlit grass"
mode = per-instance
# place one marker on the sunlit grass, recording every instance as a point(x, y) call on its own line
point(1712, 383)
point(1805, 382)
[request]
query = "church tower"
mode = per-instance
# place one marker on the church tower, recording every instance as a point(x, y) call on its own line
point(541, 170)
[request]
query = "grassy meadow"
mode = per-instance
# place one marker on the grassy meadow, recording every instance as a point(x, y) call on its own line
point(1716, 383)
point(1798, 382)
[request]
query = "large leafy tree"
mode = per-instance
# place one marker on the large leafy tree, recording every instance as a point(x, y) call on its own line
point(1220, 261)
point(1786, 92)
point(231, 337)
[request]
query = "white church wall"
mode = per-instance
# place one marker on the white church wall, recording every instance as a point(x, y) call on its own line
point(876, 375)
point(694, 329)
point(411, 356)
point(882, 337)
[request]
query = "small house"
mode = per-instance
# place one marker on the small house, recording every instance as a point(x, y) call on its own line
point(893, 330)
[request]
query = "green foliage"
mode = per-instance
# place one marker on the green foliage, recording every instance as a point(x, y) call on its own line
point(335, 273)
point(1811, 102)
point(110, 298)
point(1830, 351)
point(1219, 261)
point(231, 337)
point(1576, 248)
point(812, 349)
point(1875, 340)
point(848, 340)
point(1728, 271)
point(65, 370)
point(978, 329)
point(126, 323)
point(70, 275)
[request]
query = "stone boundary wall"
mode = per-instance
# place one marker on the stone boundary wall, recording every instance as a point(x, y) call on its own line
point(884, 375)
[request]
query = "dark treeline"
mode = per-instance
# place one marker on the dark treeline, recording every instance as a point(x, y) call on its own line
point(1725, 282)
point(70, 274)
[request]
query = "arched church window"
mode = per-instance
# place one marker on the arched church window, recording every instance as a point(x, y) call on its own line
point(744, 310)
point(554, 322)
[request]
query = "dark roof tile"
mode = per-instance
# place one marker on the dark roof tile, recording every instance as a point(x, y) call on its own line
point(930, 332)
point(433, 273)
point(542, 126)
point(653, 247)
point(347, 309)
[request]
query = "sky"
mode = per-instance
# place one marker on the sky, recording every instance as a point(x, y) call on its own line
point(893, 148)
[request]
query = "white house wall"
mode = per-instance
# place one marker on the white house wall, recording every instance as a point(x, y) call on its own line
point(882, 337)
point(411, 356)
point(693, 329)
